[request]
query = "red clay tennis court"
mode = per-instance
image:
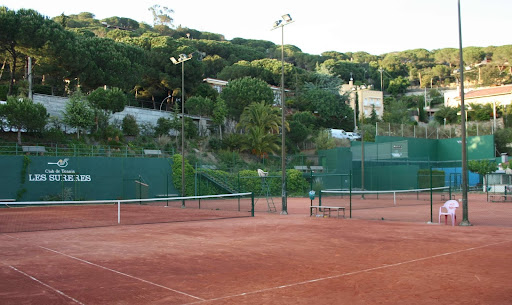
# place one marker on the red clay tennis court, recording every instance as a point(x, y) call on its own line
point(268, 259)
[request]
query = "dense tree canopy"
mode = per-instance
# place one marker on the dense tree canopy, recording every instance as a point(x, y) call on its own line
point(23, 114)
point(80, 52)
point(242, 92)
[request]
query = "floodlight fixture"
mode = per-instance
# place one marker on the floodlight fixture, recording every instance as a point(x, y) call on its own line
point(287, 18)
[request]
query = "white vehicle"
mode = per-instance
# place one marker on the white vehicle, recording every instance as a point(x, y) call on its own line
point(352, 136)
point(339, 134)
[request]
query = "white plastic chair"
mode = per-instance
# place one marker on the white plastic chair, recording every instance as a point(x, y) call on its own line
point(448, 209)
point(261, 173)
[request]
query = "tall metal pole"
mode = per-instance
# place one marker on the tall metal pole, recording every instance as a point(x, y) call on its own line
point(465, 220)
point(183, 131)
point(284, 209)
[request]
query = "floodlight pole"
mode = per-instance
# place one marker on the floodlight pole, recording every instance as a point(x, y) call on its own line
point(182, 59)
point(465, 220)
point(280, 24)
point(183, 132)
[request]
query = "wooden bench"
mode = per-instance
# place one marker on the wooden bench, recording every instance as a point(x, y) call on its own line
point(166, 195)
point(326, 210)
point(34, 149)
point(152, 152)
point(301, 168)
point(500, 198)
point(316, 168)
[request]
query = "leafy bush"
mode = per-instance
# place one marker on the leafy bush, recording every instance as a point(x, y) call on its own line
point(130, 127)
point(295, 182)
point(176, 175)
point(163, 126)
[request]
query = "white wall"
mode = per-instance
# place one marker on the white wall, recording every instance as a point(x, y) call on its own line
point(56, 106)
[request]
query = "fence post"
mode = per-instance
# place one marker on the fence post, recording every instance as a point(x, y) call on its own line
point(252, 204)
point(350, 193)
point(431, 203)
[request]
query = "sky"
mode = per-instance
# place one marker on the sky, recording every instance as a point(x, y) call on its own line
point(373, 26)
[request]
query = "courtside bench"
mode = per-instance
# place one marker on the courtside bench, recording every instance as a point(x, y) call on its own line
point(166, 195)
point(500, 198)
point(326, 210)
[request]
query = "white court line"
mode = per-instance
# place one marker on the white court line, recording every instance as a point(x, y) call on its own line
point(346, 274)
point(46, 285)
point(118, 272)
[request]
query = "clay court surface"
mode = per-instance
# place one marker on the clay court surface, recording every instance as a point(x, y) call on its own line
point(269, 259)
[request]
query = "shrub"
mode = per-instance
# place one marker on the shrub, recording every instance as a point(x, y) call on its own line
point(129, 125)
point(176, 175)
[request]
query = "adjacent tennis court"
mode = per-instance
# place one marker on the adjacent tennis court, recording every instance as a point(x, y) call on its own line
point(266, 259)
point(52, 215)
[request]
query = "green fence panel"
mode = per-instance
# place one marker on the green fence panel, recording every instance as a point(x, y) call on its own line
point(83, 178)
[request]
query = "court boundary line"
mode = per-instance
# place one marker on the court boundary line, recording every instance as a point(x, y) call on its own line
point(348, 273)
point(46, 285)
point(115, 271)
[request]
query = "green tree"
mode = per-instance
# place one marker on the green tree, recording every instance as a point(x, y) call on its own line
point(110, 100)
point(242, 92)
point(324, 140)
point(199, 105)
point(161, 15)
point(176, 175)
point(330, 107)
point(502, 56)
point(106, 102)
point(220, 112)
point(163, 126)
point(502, 138)
point(302, 126)
point(436, 97)
point(130, 126)
point(261, 124)
point(23, 114)
point(374, 117)
point(396, 112)
point(473, 55)
point(260, 142)
point(262, 116)
point(448, 113)
point(482, 167)
point(447, 56)
point(78, 113)
point(398, 85)
point(213, 65)
point(22, 32)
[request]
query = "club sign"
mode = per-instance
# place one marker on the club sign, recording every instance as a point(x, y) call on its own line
point(58, 172)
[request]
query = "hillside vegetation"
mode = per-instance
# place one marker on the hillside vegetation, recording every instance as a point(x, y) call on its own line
point(78, 54)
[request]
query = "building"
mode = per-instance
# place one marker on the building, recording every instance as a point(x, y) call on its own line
point(501, 95)
point(367, 99)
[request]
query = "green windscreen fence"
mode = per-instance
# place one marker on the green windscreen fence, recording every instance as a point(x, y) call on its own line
point(395, 163)
point(84, 178)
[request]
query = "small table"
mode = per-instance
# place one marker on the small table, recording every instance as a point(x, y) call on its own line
point(326, 210)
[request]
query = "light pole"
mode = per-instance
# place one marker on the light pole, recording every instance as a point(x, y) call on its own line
point(164, 101)
point(280, 24)
point(465, 220)
point(182, 59)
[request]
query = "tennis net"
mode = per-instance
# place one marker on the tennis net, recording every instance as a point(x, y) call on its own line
point(383, 199)
point(54, 215)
